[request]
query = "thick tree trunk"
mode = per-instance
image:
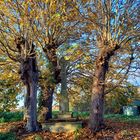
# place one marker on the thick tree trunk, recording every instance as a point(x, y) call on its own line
point(29, 76)
point(96, 121)
point(64, 100)
point(46, 105)
point(26, 102)
point(50, 52)
point(32, 124)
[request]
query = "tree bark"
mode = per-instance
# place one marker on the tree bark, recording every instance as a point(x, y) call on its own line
point(46, 104)
point(96, 121)
point(26, 102)
point(50, 52)
point(32, 124)
point(64, 100)
point(29, 76)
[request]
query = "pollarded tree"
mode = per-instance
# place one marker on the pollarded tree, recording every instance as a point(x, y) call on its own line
point(49, 24)
point(75, 63)
point(16, 42)
point(113, 28)
point(53, 27)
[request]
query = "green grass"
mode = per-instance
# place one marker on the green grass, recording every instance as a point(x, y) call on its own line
point(82, 115)
point(7, 136)
point(122, 118)
point(55, 114)
point(113, 117)
point(10, 116)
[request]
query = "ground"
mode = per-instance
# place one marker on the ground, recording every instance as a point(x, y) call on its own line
point(120, 129)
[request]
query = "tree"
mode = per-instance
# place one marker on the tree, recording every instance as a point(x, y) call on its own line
point(46, 83)
point(53, 27)
point(78, 74)
point(48, 30)
point(73, 61)
point(121, 96)
point(29, 76)
point(66, 55)
point(112, 27)
point(9, 84)
point(64, 99)
point(17, 43)
point(8, 93)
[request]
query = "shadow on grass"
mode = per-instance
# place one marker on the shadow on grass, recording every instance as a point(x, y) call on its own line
point(7, 136)
point(122, 118)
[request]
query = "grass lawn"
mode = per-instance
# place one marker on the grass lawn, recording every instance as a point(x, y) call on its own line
point(122, 118)
point(10, 116)
point(119, 127)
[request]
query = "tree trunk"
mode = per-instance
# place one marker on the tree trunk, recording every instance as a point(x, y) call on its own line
point(96, 121)
point(32, 124)
point(50, 52)
point(64, 100)
point(46, 104)
point(29, 76)
point(97, 108)
point(26, 102)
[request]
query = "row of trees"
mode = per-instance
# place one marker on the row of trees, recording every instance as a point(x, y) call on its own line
point(107, 36)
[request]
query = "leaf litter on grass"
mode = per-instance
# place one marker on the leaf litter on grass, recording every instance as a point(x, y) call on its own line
point(113, 131)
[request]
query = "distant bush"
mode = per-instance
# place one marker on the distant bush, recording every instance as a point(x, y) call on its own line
point(10, 116)
point(7, 136)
